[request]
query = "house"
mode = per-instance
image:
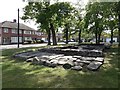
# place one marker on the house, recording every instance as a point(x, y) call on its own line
point(9, 33)
point(107, 39)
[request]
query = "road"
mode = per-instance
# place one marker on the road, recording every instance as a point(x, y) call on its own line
point(26, 45)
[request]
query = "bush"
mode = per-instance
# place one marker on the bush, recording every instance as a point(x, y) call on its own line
point(34, 41)
point(39, 41)
point(42, 41)
point(113, 41)
point(101, 40)
point(29, 41)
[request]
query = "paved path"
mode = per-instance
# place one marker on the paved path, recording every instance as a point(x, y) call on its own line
point(21, 46)
point(27, 45)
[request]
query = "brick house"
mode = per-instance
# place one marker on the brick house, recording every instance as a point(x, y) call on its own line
point(9, 33)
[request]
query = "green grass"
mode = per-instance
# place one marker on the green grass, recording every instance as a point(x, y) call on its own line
point(20, 74)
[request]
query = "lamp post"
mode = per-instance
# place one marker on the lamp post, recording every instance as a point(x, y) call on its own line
point(18, 27)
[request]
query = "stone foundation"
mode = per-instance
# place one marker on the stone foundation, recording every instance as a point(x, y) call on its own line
point(70, 57)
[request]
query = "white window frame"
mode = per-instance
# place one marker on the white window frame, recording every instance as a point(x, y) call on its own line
point(0, 40)
point(36, 33)
point(14, 31)
point(20, 31)
point(15, 39)
point(0, 31)
point(27, 32)
point(33, 32)
point(27, 38)
point(5, 30)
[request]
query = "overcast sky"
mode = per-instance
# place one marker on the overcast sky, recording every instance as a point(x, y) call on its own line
point(8, 10)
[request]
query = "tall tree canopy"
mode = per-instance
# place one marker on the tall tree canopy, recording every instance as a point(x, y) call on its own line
point(48, 16)
point(95, 18)
point(101, 16)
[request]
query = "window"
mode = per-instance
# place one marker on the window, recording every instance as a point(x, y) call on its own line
point(27, 32)
point(36, 33)
point(14, 31)
point(33, 32)
point(0, 40)
point(20, 31)
point(28, 38)
point(15, 39)
point(0, 31)
point(5, 30)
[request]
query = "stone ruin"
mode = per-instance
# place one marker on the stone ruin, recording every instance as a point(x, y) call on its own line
point(69, 57)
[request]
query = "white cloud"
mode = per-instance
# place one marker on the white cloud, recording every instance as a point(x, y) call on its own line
point(9, 11)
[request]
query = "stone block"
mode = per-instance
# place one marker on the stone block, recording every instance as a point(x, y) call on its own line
point(85, 62)
point(35, 60)
point(78, 57)
point(61, 62)
point(67, 66)
point(29, 60)
point(94, 66)
point(78, 68)
point(99, 59)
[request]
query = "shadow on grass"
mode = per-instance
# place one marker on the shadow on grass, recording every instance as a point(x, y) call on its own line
point(106, 77)
point(20, 74)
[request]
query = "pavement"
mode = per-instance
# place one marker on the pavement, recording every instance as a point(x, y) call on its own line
point(26, 45)
point(34, 45)
point(21, 46)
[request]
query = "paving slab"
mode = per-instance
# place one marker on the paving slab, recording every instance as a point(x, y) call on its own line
point(69, 57)
point(94, 66)
point(100, 59)
point(78, 68)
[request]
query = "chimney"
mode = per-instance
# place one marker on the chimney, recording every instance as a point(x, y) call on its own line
point(14, 20)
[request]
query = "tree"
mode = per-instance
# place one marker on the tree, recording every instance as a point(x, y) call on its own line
point(37, 12)
point(91, 19)
point(64, 15)
point(97, 17)
point(113, 10)
point(118, 13)
point(48, 16)
point(79, 19)
point(66, 32)
point(111, 19)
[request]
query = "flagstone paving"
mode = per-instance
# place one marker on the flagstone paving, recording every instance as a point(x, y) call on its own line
point(71, 57)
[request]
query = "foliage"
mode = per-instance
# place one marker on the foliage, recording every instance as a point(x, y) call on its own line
point(100, 16)
point(48, 16)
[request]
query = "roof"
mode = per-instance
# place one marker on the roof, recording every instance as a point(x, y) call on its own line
point(9, 24)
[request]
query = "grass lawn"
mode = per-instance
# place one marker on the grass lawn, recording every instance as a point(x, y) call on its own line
point(20, 74)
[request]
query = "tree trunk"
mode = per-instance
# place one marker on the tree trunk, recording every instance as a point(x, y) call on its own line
point(111, 37)
point(99, 35)
point(96, 27)
point(66, 34)
point(118, 23)
point(49, 36)
point(79, 36)
point(119, 30)
point(53, 34)
point(96, 37)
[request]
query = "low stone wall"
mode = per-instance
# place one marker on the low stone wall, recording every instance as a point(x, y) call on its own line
point(86, 51)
